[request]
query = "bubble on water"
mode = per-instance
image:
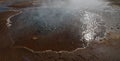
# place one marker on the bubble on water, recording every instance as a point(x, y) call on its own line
point(94, 28)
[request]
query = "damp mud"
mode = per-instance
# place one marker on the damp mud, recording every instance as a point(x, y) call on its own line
point(71, 30)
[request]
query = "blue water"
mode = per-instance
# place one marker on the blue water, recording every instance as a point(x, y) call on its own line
point(2, 9)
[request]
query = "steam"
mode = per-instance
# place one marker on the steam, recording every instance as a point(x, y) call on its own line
point(55, 14)
point(73, 4)
point(95, 27)
point(83, 7)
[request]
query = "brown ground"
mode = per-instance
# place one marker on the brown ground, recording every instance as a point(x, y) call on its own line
point(22, 5)
point(106, 50)
point(5, 39)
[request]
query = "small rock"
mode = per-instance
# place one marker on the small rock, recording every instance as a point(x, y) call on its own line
point(34, 38)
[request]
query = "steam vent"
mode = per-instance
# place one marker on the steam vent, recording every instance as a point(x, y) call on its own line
point(59, 30)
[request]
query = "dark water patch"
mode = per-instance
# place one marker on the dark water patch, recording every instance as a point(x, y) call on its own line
point(3, 9)
point(48, 29)
point(56, 28)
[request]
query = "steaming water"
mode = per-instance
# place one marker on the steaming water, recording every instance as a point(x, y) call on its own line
point(70, 8)
point(94, 26)
point(63, 23)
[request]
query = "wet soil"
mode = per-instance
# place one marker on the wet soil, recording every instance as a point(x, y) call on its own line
point(108, 49)
point(5, 38)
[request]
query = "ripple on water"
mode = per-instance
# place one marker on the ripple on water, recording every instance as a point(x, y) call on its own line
point(95, 26)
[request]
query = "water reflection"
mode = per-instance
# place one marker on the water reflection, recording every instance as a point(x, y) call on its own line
point(95, 26)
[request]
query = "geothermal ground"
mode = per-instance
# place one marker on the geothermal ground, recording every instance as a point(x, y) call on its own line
point(59, 30)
